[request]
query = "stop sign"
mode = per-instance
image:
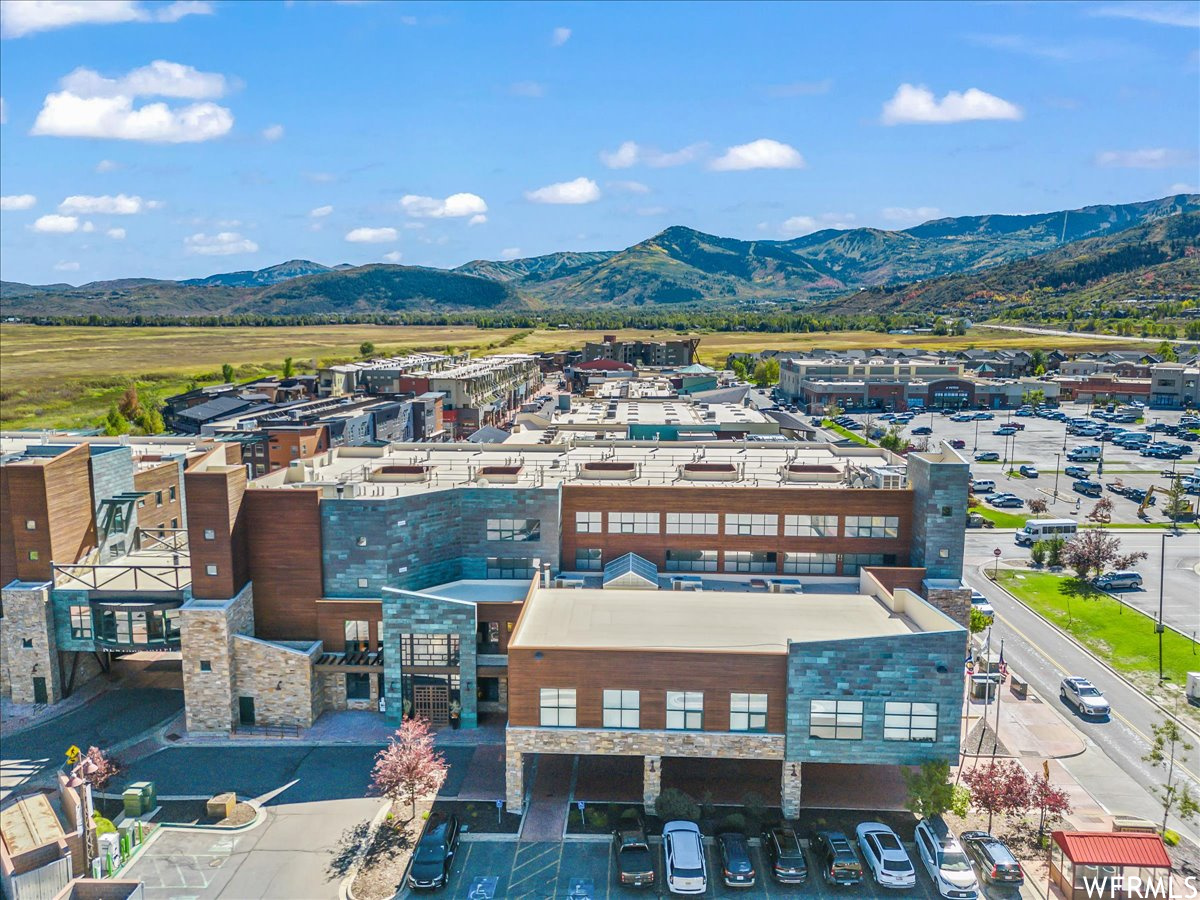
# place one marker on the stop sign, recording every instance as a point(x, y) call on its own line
point(996, 552)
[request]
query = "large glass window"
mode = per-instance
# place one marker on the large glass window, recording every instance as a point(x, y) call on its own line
point(810, 563)
point(747, 712)
point(557, 707)
point(514, 529)
point(622, 709)
point(81, 621)
point(510, 567)
point(840, 720)
point(852, 562)
point(685, 710)
point(872, 526)
point(691, 561)
point(751, 523)
point(749, 561)
point(358, 686)
point(810, 526)
point(588, 559)
point(633, 523)
point(589, 522)
point(358, 635)
point(429, 650)
point(910, 721)
point(691, 523)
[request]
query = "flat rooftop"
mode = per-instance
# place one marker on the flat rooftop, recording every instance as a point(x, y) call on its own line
point(608, 412)
point(699, 621)
point(29, 823)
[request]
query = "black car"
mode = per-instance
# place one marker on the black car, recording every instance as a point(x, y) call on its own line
point(922, 429)
point(635, 866)
point(736, 868)
point(837, 859)
point(996, 862)
point(431, 859)
point(783, 852)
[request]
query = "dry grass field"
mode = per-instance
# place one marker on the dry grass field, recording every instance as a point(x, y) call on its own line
point(66, 377)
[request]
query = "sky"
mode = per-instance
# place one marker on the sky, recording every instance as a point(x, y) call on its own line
point(180, 138)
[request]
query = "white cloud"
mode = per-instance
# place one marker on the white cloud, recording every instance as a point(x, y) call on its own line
point(320, 212)
point(631, 153)
point(911, 215)
point(916, 105)
point(90, 105)
point(479, 219)
point(1146, 158)
point(453, 207)
point(560, 36)
point(14, 202)
point(64, 266)
point(22, 17)
point(510, 253)
point(580, 190)
point(801, 88)
point(120, 205)
point(527, 89)
point(393, 256)
point(272, 132)
point(117, 234)
point(371, 235)
point(52, 224)
point(225, 243)
point(107, 165)
point(761, 154)
point(87, 227)
point(796, 226)
point(1182, 187)
point(629, 187)
point(1183, 14)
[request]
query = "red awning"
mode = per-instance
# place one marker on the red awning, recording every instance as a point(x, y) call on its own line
point(1107, 848)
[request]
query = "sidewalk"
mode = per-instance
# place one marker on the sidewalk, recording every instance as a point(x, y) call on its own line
point(355, 727)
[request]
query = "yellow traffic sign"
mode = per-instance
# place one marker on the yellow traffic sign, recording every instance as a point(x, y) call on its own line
point(1046, 768)
point(73, 755)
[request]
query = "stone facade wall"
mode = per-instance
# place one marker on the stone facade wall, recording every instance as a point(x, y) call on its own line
point(281, 680)
point(939, 513)
point(207, 630)
point(409, 613)
point(30, 645)
point(956, 603)
point(332, 690)
point(922, 668)
point(789, 792)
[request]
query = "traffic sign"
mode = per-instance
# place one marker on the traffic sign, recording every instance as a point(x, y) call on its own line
point(73, 755)
point(996, 552)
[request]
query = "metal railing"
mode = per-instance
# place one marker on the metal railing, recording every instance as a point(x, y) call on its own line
point(268, 731)
point(122, 577)
point(172, 540)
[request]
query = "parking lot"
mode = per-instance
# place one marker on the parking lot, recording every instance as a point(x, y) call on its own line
point(545, 870)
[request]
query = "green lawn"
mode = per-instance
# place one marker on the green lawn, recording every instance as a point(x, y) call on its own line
point(1119, 635)
point(999, 518)
point(847, 433)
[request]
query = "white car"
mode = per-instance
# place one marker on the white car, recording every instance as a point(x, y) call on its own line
point(945, 860)
point(980, 602)
point(884, 856)
point(683, 849)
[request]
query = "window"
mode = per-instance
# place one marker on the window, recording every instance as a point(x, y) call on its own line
point(429, 650)
point(362, 582)
point(622, 709)
point(910, 721)
point(589, 522)
point(361, 540)
point(588, 559)
point(633, 523)
point(510, 567)
point(358, 635)
point(749, 561)
point(33, 556)
point(691, 523)
point(27, 643)
point(488, 637)
point(873, 526)
point(810, 563)
point(205, 665)
point(172, 493)
point(514, 529)
point(210, 534)
point(210, 569)
point(836, 720)
point(810, 526)
point(852, 562)
point(158, 498)
point(685, 710)
point(358, 686)
point(30, 525)
point(751, 524)
point(174, 523)
point(557, 707)
point(691, 561)
point(747, 712)
point(141, 504)
point(81, 621)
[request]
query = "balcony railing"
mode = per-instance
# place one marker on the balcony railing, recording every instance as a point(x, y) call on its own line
point(170, 540)
point(122, 577)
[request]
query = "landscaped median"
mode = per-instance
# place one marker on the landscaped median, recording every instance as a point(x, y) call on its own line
point(1119, 635)
point(846, 433)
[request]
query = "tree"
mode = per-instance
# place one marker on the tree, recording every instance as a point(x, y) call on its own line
point(130, 406)
point(766, 373)
point(1129, 560)
point(1166, 352)
point(102, 769)
point(409, 767)
point(366, 348)
point(930, 792)
point(998, 788)
point(1037, 506)
point(1037, 553)
point(151, 420)
point(673, 803)
point(1034, 397)
point(115, 423)
point(979, 621)
point(1054, 550)
point(1101, 513)
point(1169, 742)
point(288, 368)
point(226, 373)
point(739, 369)
point(894, 440)
point(1090, 551)
point(1050, 802)
point(1177, 505)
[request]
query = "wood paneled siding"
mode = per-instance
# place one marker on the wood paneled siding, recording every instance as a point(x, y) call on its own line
point(333, 614)
point(159, 480)
point(283, 544)
point(778, 501)
point(56, 496)
point(505, 614)
point(214, 505)
point(653, 673)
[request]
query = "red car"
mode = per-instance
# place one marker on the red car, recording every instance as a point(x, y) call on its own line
point(958, 444)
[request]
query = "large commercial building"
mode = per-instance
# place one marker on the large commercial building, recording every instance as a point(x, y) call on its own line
point(672, 353)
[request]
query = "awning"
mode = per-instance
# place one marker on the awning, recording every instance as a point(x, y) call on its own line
point(1108, 848)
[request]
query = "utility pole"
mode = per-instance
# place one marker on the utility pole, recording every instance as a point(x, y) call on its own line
point(999, 691)
point(1057, 470)
point(1158, 627)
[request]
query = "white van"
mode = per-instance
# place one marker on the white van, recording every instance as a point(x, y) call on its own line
point(1039, 529)
point(683, 848)
point(1084, 454)
point(983, 486)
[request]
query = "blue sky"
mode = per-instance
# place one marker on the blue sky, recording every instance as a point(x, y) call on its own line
point(178, 139)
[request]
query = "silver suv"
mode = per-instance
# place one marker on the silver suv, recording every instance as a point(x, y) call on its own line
point(1084, 696)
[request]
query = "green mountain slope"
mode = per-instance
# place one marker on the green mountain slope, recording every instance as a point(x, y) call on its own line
point(534, 268)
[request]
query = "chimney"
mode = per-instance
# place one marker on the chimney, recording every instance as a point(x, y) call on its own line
point(546, 575)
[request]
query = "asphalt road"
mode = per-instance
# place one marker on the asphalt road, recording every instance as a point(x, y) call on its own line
point(1121, 339)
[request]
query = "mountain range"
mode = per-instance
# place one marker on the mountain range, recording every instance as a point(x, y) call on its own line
point(944, 261)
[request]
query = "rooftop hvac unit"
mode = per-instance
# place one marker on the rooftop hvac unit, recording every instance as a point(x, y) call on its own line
point(786, 586)
point(687, 583)
point(569, 583)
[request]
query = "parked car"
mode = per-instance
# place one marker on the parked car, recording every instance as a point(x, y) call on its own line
point(782, 850)
point(635, 866)
point(1087, 488)
point(1076, 472)
point(1006, 501)
point(983, 485)
point(430, 867)
point(884, 856)
point(1005, 431)
point(737, 870)
point(1028, 471)
point(984, 416)
point(922, 429)
point(1084, 696)
point(683, 852)
point(945, 860)
point(987, 456)
point(996, 862)
point(837, 859)
point(980, 602)
point(958, 444)
point(1119, 581)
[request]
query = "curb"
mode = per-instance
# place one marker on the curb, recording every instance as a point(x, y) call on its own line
point(1129, 684)
point(345, 887)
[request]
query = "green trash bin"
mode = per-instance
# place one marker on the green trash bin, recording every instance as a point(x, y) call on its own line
point(148, 792)
point(134, 802)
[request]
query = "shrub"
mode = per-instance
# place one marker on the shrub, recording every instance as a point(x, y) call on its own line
point(631, 814)
point(1170, 838)
point(755, 807)
point(675, 804)
point(1037, 553)
point(734, 822)
point(596, 817)
point(103, 825)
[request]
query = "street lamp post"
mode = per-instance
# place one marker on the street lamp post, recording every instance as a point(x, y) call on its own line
point(1158, 627)
point(976, 447)
point(1057, 470)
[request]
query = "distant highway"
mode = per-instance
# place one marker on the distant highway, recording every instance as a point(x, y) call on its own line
point(1087, 334)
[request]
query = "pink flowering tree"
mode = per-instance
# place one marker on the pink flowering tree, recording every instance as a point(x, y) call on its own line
point(408, 767)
